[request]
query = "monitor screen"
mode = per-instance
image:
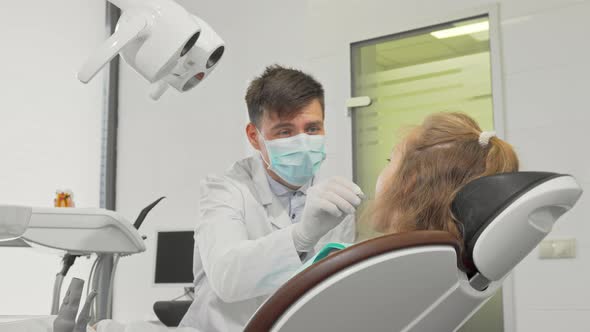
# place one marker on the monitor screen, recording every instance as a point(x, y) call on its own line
point(174, 257)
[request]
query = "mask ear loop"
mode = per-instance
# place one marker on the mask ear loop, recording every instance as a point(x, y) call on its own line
point(260, 151)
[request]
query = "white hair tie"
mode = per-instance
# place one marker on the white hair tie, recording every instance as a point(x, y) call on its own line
point(485, 136)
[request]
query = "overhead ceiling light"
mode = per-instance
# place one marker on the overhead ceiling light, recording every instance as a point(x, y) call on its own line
point(461, 30)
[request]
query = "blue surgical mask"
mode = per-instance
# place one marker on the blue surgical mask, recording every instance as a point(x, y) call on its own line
point(295, 159)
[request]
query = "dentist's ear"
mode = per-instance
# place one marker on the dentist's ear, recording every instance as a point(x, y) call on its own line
point(252, 134)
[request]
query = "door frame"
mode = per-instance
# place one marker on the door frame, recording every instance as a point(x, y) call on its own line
point(492, 11)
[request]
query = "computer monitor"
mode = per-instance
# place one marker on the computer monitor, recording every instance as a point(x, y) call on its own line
point(174, 258)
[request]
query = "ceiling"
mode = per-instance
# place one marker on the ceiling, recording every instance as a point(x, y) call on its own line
point(404, 50)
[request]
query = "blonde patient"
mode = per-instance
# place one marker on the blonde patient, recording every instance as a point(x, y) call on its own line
point(427, 169)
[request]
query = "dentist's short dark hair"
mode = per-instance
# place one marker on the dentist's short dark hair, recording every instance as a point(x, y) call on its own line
point(282, 90)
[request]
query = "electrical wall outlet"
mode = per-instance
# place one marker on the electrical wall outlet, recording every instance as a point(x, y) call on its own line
point(553, 249)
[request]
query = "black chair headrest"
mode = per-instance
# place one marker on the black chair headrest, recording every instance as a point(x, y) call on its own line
point(480, 201)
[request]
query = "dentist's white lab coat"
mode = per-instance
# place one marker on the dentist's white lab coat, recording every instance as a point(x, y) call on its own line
point(243, 247)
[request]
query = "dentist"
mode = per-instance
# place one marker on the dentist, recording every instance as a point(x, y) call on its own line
point(260, 220)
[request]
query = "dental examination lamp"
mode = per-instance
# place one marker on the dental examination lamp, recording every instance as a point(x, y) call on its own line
point(162, 42)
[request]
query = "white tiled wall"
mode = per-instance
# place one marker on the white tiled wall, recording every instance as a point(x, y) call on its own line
point(546, 117)
point(50, 126)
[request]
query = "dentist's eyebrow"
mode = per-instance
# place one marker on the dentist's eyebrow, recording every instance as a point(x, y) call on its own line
point(282, 125)
point(315, 123)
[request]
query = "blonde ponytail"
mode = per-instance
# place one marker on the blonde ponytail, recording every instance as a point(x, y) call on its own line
point(500, 158)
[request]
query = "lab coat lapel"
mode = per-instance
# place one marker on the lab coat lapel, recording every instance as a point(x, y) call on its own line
point(277, 213)
point(261, 191)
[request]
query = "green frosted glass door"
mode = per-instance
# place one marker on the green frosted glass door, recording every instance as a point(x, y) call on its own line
point(408, 76)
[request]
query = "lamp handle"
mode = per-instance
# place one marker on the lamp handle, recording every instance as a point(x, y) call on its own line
point(158, 89)
point(127, 31)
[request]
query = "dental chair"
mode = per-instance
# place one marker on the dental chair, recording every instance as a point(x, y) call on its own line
point(425, 281)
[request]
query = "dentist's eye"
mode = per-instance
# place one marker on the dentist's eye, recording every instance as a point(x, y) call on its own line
point(285, 133)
